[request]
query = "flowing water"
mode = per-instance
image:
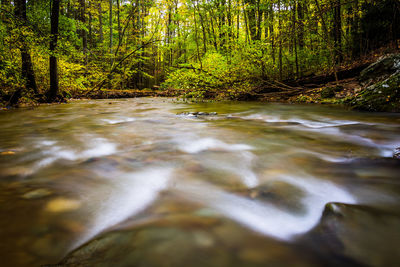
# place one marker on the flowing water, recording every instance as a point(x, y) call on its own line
point(142, 182)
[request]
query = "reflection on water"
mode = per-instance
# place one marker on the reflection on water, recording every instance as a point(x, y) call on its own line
point(253, 178)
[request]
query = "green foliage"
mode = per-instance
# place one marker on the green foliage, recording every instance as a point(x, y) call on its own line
point(214, 77)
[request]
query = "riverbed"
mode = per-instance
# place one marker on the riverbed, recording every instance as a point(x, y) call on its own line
point(153, 182)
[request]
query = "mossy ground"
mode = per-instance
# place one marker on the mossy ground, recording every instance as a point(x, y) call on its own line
point(383, 96)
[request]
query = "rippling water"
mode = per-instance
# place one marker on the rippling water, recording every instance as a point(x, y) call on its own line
point(143, 183)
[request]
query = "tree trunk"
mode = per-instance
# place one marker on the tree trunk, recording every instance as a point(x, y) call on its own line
point(327, 39)
point(300, 24)
point(294, 36)
point(271, 32)
point(82, 18)
point(100, 23)
point(251, 18)
point(119, 23)
point(27, 68)
point(337, 31)
point(259, 19)
point(111, 32)
point(280, 41)
point(91, 43)
point(53, 45)
point(203, 30)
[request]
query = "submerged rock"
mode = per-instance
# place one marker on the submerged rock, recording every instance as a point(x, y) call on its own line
point(366, 235)
point(37, 193)
point(396, 153)
point(61, 204)
point(172, 241)
point(200, 113)
point(281, 194)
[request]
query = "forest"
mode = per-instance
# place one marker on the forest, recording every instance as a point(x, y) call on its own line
point(200, 133)
point(217, 49)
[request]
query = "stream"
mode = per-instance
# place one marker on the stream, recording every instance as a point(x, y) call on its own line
point(149, 182)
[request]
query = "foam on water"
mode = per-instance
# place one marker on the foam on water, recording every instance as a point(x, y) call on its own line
point(325, 157)
point(242, 164)
point(125, 196)
point(266, 218)
point(331, 127)
point(316, 124)
point(99, 147)
point(119, 120)
point(239, 163)
point(96, 147)
point(203, 144)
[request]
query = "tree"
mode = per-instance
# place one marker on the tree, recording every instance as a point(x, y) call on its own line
point(27, 67)
point(55, 11)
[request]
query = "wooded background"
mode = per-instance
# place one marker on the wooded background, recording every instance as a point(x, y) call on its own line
point(48, 48)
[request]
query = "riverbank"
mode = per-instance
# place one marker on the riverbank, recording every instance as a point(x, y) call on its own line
point(366, 87)
point(371, 85)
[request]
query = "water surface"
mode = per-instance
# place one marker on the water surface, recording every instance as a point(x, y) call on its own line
point(156, 186)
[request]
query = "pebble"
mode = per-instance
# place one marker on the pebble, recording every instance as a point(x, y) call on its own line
point(38, 193)
point(62, 204)
point(396, 153)
point(198, 113)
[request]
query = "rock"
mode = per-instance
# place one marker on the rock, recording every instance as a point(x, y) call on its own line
point(281, 194)
point(200, 113)
point(61, 204)
point(381, 69)
point(38, 193)
point(396, 153)
point(363, 234)
point(382, 96)
point(171, 243)
point(329, 92)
